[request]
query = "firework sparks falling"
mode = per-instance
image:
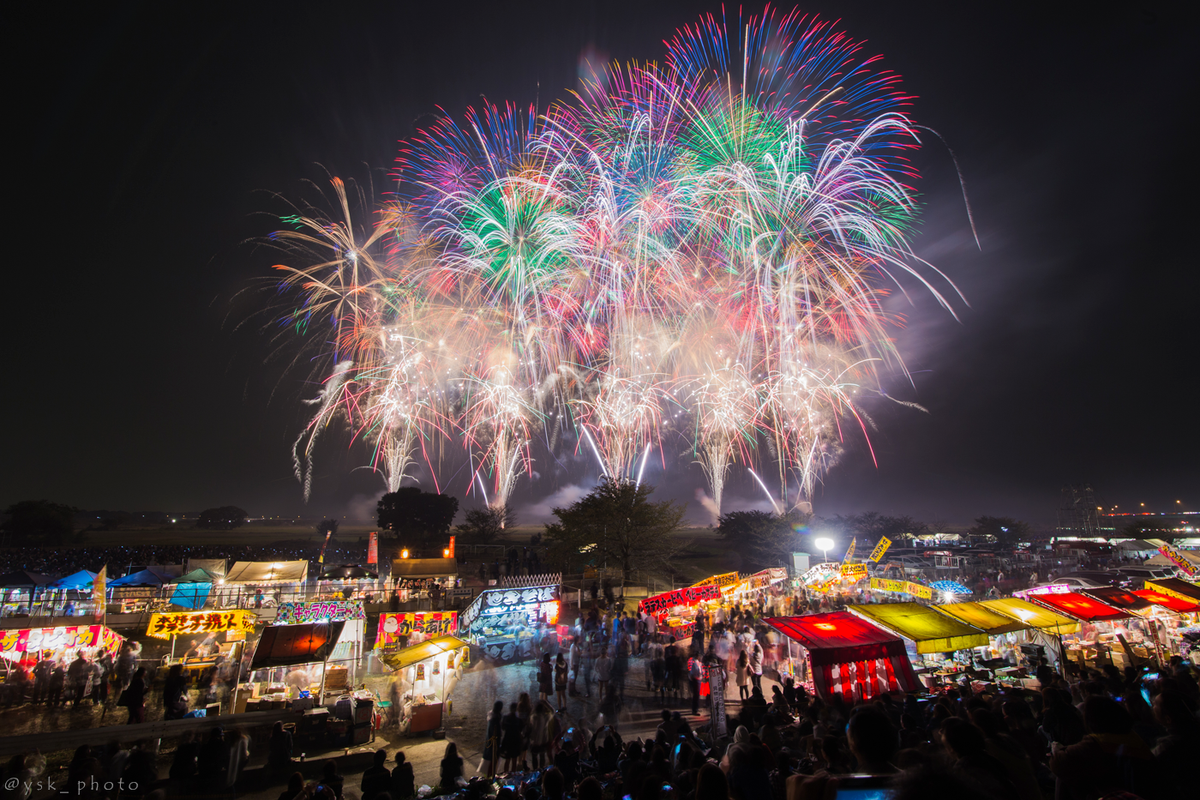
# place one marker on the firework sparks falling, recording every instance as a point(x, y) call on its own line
point(695, 251)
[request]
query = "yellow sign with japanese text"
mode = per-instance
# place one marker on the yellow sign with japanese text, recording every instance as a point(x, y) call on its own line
point(880, 549)
point(185, 623)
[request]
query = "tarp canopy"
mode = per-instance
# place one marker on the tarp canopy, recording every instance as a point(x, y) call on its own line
point(143, 578)
point(78, 580)
point(850, 656)
point(191, 594)
point(1140, 545)
point(348, 572)
point(1176, 588)
point(268, 572)
point(1035, 616)
point(1079, 606)
point(419, 652)
point(1168, 601)
point(213, 566)
point(950, 587)
point(991, 622)
point(285, 645)
point(1120, 598)
point(23, 579)
point(197, 575)
point(933, 632)
point(421, 568)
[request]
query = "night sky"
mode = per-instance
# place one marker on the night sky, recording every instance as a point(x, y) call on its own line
point(143, 370)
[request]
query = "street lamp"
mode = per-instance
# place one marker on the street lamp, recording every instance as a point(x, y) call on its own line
point(824, 545)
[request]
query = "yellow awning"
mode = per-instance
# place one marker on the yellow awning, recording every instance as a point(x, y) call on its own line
point(933, 632)
point(1041, 618)
point(419, 652)
point(985, 619)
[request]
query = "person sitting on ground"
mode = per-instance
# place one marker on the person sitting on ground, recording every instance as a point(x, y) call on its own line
point(451, 770)
point(403, 785)
point(376, 779)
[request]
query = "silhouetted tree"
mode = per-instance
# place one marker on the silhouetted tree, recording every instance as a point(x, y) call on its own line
point(616, 523)
point(483, 525)
point(1006, 529)
point(763, 539)
point(412, 516)
point(329, 526)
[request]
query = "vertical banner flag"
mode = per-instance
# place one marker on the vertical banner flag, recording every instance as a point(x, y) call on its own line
point(99, 592)
point(850, 551)
point(880, 549)
point(373, 547)
point(450, 549)
point(1174, 556)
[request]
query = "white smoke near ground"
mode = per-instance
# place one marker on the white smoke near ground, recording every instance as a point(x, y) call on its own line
point(542, 511)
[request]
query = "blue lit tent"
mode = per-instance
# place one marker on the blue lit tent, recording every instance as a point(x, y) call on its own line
point(192, 590)
point(950, 587)
point(141, 578)
point(78, 581)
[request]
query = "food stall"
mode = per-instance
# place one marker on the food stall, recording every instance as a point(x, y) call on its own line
point(1003, 655)
point(427, 674)
point(137, 591)
point(507, 623)
point(193, 589)
point(1175, 587)
point(68, 596)
point(349, 581)
point(288, 669)
point(928, 636)
point(263, 584)
point(19, 590)
point(412, 576)
point(839, 653)
point(213, 636)
point(398, 630)
point(341, 666)
point(675, 611)
point(63, 644)
point(1097, 642)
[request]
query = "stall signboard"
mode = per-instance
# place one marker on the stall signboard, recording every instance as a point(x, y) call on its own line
point(319, 611)
point(680, 597)
point(395, 627)
point(185, 623)
point(880, 549)
point(854, 570)
point(34, 640)
point(1175, 557)
point(539, 601)
point(723, 582)
point(821, 573)
point(902, 587)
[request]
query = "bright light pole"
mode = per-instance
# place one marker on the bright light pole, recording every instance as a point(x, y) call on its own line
point(824, 545)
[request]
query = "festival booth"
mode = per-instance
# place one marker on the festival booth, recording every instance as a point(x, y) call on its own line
point(398, 630)
point(1175, 587)
point(136, 592)
point(1010, 646)
point(1098, 641)
point(289, 670)
point(675, 611)
point(259, 584)
point(216, 567)
point(750, 586)
point(426, 674)
point(348, 582)
point(212, 636)
point(513, 624)
point(342, 665)
point(193, 589)
point(927, 636)
point(839, 653)
point(27, 646)
point(411, 576)
point(67, 594)
point(19, 590)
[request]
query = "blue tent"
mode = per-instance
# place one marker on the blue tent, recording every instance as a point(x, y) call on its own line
point(143, 578)
point(193, 589)
point(79, 580)
point(950, 587)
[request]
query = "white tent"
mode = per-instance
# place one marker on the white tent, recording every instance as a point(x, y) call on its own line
point(257, 572)
point(1159, 560)
point(213, 566)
